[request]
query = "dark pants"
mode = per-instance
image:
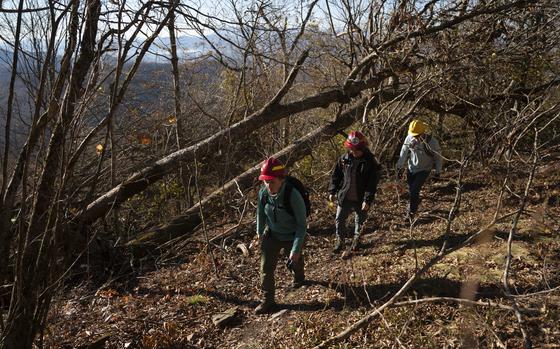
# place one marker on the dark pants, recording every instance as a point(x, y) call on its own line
point(270, 253)
point(415, 183)
point(342, 212)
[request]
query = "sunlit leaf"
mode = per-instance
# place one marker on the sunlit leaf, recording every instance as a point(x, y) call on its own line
point(144, 139)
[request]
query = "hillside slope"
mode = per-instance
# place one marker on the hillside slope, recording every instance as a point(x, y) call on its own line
point(173, 306)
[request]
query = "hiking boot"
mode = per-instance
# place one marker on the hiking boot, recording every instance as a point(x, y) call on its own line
point(265, 307)
point(338, 244)
point(355, 244)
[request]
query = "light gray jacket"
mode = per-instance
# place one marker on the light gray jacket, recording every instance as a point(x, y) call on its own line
point(419, 159)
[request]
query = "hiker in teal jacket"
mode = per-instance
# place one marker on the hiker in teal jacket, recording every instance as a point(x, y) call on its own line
point(423, 153)
point(278, 228)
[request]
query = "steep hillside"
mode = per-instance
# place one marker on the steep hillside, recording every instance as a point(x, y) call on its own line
point(173, 307)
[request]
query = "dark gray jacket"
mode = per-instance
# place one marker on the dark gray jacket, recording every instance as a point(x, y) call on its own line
point(367, 176)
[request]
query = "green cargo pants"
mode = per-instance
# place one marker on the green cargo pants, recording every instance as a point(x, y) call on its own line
point(270, 252)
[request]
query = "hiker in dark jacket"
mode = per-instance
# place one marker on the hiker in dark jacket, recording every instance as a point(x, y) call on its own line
point(278, 228)
point(423, 153)
point(354, 183)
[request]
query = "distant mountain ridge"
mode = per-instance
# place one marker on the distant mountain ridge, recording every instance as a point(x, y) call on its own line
point(188, 46)
point(155, 72)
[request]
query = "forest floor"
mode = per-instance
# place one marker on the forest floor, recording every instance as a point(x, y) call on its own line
point(172, 307)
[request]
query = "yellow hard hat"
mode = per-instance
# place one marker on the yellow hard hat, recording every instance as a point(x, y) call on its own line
point(416, 128)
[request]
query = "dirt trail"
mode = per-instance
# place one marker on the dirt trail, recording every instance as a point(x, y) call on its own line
point(172, 307)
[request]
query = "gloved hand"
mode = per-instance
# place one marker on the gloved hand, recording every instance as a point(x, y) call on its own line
point(400, 173)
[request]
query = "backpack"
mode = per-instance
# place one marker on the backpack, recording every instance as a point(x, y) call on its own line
point(291, 184)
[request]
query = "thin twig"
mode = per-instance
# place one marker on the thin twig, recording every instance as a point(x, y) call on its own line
point(202, 216)
point(526, 339)
point(462, 301)
point(504, 184)
point(458, 194)
point(390, 329)
point(227, 232)
point(536, 293)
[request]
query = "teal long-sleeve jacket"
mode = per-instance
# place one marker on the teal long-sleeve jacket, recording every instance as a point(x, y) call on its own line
point(281, 223)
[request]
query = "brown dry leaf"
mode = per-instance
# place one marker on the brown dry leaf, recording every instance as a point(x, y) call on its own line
point(108, 293)
point(170, 326)
point(144, 139)
point(149, 341)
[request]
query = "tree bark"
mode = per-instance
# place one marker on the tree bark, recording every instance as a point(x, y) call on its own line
point(39, 124)
point(177, 98)
point(29, 289)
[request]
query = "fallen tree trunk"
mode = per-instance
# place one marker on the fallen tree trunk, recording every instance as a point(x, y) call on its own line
point(143, 178)
point(185, 224)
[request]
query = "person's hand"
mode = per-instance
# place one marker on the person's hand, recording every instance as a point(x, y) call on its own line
point(400, 173)
point(294, 257)
point(255, 242)
point(365, 206)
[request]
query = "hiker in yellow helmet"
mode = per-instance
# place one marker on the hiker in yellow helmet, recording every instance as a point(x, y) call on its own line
point(423, 154)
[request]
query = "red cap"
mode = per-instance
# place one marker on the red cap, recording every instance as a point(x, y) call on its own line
point(272, 168)
point(356, 141)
